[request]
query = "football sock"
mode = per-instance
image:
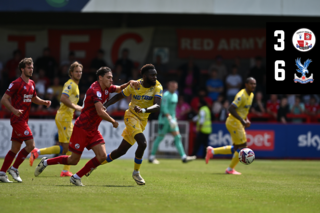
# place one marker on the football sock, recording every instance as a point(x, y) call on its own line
point(51, 150)
point(137, 164)
point(92, 164)
point(67, 167)
point(225, 150)
point(63, 159)
point(235, 159)
point(7, 161)
point(156, 145)
point(76, 176)
point(108, 160)
point(20, 158)
point(152, 157)
point(178, 143)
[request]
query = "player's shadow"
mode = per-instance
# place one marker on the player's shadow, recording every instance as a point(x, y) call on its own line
point(117, 186)
point(71, 185)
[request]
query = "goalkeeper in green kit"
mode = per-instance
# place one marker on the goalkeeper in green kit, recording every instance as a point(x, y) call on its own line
point(168, 124)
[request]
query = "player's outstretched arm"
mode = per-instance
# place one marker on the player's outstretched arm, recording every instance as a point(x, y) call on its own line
point(104, 115)
point(66, 101)
point(132, 83)
point(114, 99)
point(232, 110)
point(5, 100)
point(154, 108)
point(39, 101)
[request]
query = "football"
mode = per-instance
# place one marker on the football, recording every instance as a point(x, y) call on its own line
point(246, 156)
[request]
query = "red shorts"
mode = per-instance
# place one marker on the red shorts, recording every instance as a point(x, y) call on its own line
point(81, 139)
point(21, 132)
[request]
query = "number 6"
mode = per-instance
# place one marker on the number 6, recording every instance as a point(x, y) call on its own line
point(277, 70)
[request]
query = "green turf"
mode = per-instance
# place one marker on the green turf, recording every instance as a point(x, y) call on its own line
point(264, 186)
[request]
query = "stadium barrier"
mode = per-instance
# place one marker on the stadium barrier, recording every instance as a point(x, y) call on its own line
point(44, 132)
point(301, 141)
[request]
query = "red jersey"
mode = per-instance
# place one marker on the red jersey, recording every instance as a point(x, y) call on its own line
point(21, 94)
point(273, 106)
point(312, 108)
point(89, 119)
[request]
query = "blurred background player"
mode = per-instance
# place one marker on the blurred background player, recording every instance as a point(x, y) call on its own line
point(85, 132)
point(204, 127)
point(236, 122)
point(145, 100)
point(22, 92)
point(168, 124)
point(68, 104)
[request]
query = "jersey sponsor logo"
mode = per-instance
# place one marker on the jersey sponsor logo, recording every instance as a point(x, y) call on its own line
point(303, 40)
point(10, 86)
point(69, 87)
point(106, 92)
point(143, 97)
point(77, 146)
point(26, 132)
point(99, 94)
point(27, 98)
point(247, 106)
point(303, 69)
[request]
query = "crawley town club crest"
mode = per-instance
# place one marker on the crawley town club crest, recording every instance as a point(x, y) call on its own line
point(303, 69)
point(303, 40)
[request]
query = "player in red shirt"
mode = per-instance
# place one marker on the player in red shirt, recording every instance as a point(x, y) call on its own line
point(22, 92)
point(85, 131)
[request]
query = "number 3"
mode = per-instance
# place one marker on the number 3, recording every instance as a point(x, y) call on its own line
point(280, 40)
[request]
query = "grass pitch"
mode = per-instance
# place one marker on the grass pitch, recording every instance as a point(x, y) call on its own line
point(265, 186)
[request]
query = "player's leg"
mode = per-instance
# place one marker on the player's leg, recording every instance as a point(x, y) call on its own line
point(80, 136)
point(235, 159)
point(224, 150)
point(64, 137)
point(64, 142)
point(178, 143)
point(162, 131)
point(15, 147)
point(101, 155)
point(142, 145)
point(73, 159)
point(22, 155)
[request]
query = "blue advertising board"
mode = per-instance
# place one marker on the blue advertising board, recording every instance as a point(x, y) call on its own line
point(275, 140)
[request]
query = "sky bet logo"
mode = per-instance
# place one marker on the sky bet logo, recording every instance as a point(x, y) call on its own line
point(309, 141)
point(262, 140)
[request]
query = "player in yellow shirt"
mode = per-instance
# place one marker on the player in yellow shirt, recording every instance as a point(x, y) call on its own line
point(68, 104)
point(236, 122)
point(145, 100)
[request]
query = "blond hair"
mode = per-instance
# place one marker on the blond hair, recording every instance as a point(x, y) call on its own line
point(73, 66)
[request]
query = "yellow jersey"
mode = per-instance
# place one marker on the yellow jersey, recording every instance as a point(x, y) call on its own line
point(70, 89)
point(242, 102)
point(143, 97)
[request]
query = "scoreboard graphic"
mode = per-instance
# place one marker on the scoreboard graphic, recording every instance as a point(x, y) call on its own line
point(293, 58)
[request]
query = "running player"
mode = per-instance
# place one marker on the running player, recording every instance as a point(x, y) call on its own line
point(22, 92)
point(168, 124)
point(85, 131)
point(236, 122)
point(69, 99)
point(145, 100)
